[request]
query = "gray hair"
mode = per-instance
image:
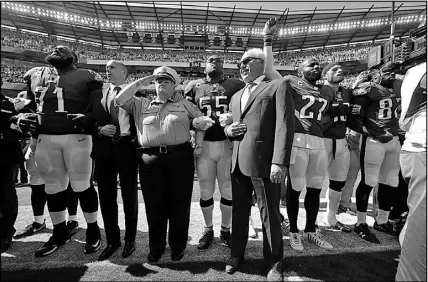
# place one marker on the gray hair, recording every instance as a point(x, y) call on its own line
point(254, 53)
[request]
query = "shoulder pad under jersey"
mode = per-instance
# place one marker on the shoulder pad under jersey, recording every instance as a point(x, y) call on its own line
point(362, 89)
point(96, 76)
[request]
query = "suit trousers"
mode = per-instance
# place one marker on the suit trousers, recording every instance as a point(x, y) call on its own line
point(121, 161)
point(268, 197)
point(167, 191)
point(8, 201)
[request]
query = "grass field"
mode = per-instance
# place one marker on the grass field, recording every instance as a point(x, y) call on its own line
point(351, 259)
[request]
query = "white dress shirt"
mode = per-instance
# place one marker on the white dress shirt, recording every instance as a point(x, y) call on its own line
point(123, 115)
point(249, 89)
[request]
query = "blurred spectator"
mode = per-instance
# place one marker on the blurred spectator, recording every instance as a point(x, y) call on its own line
point(39, 42)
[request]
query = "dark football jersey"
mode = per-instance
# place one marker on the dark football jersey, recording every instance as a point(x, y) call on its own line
point(381, 108)
point(338, 107)
point(309, 107)
point(213, 99)
point(61, 95)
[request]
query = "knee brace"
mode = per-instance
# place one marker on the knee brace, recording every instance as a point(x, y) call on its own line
point(206, 203)
point(225, 202)
point(362, 196)
point(88, 200)
point(57, 202)
point(337, 185)
point(386, 196)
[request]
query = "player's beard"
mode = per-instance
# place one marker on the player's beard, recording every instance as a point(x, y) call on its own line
point(58, 62)
point(387, 81)
point(215, 73)
point(337, 79)
point(312, 75)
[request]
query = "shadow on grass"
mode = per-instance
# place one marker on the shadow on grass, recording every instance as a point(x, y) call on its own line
point(47, 274)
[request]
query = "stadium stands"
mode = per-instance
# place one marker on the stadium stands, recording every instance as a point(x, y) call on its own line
point(38, 42)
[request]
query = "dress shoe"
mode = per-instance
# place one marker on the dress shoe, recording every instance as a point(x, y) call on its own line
point(233, 264)
point(154, 256)
point(109, 251)
point(128, 249)
point(177, 256)
point(275, 274)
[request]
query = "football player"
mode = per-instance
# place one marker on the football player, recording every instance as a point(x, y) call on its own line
point(308, 162)
point(379, 148)
point(212, 95)
point(338, 157)
point(37, 184)
point(64, 145)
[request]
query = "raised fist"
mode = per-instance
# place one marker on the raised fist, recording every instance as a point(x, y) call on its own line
point(270, 27)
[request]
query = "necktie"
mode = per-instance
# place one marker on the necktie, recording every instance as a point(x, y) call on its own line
point(114, 110)
point(246, 94)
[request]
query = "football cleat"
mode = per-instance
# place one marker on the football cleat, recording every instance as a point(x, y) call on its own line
point(51, 246)
point(364, 232)
point(93, 240)
point(206, 240)
point(31, 229)
point(296, 241)
point(225, 238)
point(316, 238)
point(387, 227)
point(73, 227)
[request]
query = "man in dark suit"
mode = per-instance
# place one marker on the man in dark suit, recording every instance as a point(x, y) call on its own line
point(262, 131)
point(114, 153)
point(12, 126)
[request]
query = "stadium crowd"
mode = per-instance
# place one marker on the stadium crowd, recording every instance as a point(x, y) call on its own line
point(38, 42)
point(265, 134)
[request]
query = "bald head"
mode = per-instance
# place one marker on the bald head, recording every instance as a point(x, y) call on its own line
point(116, 72)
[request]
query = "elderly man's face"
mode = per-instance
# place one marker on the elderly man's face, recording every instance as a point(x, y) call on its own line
point(251, 68)
point(164, 86)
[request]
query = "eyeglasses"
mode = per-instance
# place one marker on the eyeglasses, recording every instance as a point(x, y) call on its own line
point(246, 61)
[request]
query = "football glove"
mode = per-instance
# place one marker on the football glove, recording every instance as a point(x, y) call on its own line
point(27, 122)
point(79, 120)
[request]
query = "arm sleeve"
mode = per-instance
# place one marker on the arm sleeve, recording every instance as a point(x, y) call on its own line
point(270, 71)
point(284, 125)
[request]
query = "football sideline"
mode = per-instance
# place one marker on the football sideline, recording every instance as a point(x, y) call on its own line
point(351, 259)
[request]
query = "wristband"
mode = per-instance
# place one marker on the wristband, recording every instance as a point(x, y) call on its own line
point(268, 40)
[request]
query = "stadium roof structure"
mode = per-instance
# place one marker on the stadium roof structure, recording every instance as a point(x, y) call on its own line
point(114, 23)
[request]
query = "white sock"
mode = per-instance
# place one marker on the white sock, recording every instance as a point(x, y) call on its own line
point(382, 216)
point(333, 201)
point(39, 219)
point(361, 217)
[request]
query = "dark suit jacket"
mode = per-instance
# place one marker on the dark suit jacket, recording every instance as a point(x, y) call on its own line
point(10, 149)
point(102, 145)
point(269, 117)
